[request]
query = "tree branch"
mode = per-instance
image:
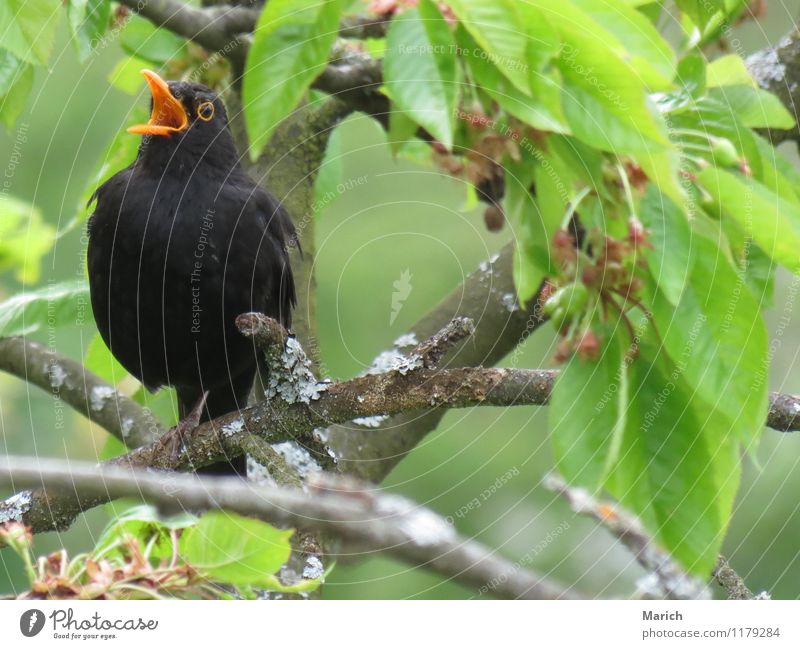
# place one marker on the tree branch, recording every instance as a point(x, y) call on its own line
point(732, 583)
point(670, 578)
point(340, 506)
point(79, 388)
point(777, 70)
point(225, 29)
point(297, 407)
point(215, 28)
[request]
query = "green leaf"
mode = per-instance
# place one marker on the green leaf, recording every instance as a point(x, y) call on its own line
point(144, 523)
point(163, 404)
point(142, 39)
point(701, 12)
point(532, 250)
point(718, 340)
point(99, 360)
point(777, 174)
point(402, 130)
point(754, 107)
point(16, 81)
point(55, 305)
point(234, 549)
point(329, 175)
point(680, 468)
point(692, 75)
point(587, 413)
point(127, 75)
point(605, 100)
point(290, 48)
point(420, 70)
point(500, 31)
point(772, 222)
point(729, 70)
point(542, 110)
point(29, 28)
point(24, 238)
point(121, 151)
point(670, 235)
point(637, 40)
point(88, 20)
point(555, 189)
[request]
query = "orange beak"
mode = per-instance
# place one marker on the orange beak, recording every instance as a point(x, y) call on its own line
point(168, 116)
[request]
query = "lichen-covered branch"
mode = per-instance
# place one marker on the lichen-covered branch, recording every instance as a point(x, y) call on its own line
point(733, 584)
point(777, 69)
point(350, 510)
point(72, 383)
point(670, 579)
point(297, 406)
point(487, 297)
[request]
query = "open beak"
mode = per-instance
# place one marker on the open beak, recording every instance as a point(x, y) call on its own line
point(168, 116)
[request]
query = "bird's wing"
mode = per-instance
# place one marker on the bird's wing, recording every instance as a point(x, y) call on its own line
point(258, 272)
point(279, 236)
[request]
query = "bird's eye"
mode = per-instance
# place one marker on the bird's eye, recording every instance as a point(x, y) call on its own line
point(205, 111)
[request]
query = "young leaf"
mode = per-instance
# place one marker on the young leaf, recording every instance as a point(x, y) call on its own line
point(24, 238)
point(718, 340)
point(290, 48)
point(532, 250)
point(88, 20)
point(754, 107)
point(542, 110)
point(144, 40)
point(121, 151)
point(728, 70)
point(127, 75)
point(420, 70)
point(329, 174)
point(637, 40)
point(163, 404)
point(235, 550)
point(29, 28)
point(16, 80)
point(144, 523)
point(498, 28)
point(101, 361)
point(680, 468)
point(587, 413)
point(773, 223)
point(52, 306)
point(604, 97)
point(701, 12)
point(670, 235)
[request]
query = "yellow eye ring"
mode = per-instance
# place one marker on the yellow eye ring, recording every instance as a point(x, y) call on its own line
point(205, 111)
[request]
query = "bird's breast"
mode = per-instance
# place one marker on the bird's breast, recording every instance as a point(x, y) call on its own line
point(165, 288)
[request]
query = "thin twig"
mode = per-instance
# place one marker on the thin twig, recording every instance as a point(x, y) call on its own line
point(733, 584)
point(672, 579)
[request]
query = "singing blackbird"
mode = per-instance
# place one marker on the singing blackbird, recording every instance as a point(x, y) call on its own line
point(181, 242)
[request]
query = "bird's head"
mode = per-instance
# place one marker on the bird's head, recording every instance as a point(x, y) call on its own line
point(186, 118)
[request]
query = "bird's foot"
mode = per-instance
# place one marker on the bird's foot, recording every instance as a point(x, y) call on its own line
point(175, 436)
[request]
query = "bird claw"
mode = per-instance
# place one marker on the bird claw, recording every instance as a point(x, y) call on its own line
point(175, 436)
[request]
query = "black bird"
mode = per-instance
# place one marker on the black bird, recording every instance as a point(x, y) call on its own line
point(180, 243)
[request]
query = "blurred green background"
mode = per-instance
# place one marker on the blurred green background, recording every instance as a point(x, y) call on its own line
point(394, 218)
